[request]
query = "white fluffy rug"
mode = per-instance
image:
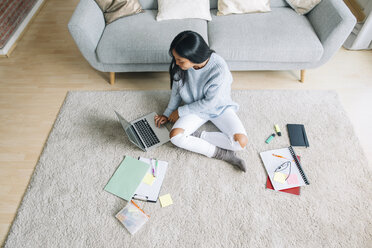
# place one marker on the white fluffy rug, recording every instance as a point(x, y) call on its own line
point(215, 205)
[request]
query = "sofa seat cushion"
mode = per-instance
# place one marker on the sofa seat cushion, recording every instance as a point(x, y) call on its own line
point(277, 36)
point(141, 39)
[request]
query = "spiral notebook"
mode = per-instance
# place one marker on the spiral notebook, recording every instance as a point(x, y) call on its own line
point(284, 168)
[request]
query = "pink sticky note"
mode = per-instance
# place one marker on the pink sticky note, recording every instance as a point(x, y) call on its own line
point(292, 179)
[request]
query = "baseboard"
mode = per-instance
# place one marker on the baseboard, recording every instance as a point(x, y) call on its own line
point(12, 42)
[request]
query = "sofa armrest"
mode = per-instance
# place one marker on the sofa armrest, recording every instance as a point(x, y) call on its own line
point(333, 22)
point(86, 27)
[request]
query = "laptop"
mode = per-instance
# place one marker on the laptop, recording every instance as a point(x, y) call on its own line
point(143, 132)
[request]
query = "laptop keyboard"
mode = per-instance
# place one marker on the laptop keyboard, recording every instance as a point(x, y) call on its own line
point(147, 134)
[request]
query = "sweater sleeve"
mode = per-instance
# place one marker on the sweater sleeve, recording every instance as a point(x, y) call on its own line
point(211, 92)
point(175, 100)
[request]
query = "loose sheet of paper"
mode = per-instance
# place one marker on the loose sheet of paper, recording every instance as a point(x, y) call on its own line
point(165, 200)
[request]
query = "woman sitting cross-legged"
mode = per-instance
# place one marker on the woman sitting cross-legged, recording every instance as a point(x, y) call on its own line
point(202, 80)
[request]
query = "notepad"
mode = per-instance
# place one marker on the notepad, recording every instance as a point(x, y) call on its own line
point(148, 191)
point(165, 200)
point(283, 168)
point(297, 135)
point(280, 177)
point(127, 177)
point(149, 179)
point(292, 179)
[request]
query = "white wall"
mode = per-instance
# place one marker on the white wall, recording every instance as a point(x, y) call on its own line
point(366, 5)
point(361, 37)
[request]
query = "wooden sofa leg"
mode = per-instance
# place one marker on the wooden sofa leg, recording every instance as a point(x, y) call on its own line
point(112, 78)
point(302, 79)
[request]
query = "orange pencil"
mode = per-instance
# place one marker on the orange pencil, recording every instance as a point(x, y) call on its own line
point(138, 207)
point(279, 156)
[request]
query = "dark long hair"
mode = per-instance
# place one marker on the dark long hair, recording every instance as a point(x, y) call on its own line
point(189, 45)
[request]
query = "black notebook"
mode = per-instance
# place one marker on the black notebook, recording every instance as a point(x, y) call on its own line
point(297, 135)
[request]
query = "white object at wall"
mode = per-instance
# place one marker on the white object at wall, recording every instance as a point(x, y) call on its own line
point(361, 36)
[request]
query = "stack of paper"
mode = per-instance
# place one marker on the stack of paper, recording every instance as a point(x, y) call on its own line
point(137, 179)
point(284, 170)
point(149, 189)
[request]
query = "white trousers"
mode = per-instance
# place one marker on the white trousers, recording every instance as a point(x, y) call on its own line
point(228, 123)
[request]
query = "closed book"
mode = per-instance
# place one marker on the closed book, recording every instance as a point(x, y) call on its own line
point(294, 191)
point(127, 177)
point(297, 135)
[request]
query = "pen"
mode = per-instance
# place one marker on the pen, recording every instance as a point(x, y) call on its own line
point(277, 130)
point(279, 156)
point(156, 167)
point(138, 207)
point(152, 167)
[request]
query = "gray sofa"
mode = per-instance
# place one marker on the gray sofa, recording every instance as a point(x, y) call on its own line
point(277, 40)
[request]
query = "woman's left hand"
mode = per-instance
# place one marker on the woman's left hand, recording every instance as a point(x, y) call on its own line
point(174, 116)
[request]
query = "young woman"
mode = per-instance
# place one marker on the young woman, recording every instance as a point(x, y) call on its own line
point(202, 80)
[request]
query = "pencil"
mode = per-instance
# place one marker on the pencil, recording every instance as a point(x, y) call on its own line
point(279, 156)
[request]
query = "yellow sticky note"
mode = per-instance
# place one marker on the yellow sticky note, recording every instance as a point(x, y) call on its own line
point(148, 179)
point(280, 177)
point(165, 200)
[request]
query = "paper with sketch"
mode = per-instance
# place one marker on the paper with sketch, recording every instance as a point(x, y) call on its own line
point(147, 192)
point(282, 169)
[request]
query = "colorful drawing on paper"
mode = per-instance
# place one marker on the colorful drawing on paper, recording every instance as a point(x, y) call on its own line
point(284, 168)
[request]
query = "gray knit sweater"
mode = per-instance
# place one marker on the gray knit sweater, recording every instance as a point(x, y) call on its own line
point(205, 92)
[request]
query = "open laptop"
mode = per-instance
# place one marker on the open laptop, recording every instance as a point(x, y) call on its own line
point(143, 132)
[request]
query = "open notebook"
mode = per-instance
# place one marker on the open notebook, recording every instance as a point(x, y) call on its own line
point(146, 192)
point(283, 168)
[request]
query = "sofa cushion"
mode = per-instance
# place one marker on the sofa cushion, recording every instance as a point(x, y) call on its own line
point(278, 3)
point(115, 9)
point(149, 4)
point(182, 9)
point(141, 39)
point(153, 4)
point(228, 7)
point(273, 3)
point(303, 7)
point(277, 36)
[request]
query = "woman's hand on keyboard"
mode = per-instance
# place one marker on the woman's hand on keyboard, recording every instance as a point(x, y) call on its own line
point(160, 120)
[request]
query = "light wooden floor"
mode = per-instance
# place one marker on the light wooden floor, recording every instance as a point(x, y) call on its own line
point(46, 64)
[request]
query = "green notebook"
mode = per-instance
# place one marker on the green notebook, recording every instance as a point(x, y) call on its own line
point(127, 177)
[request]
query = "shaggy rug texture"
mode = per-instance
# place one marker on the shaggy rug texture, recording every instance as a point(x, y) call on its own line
point(215, 205)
